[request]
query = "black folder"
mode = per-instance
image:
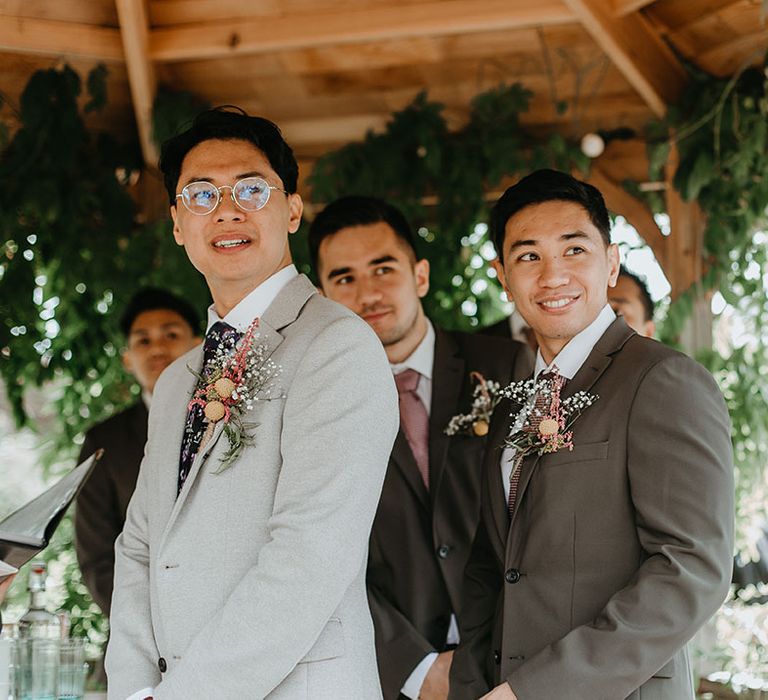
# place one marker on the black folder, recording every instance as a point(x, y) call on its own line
point(28, 530)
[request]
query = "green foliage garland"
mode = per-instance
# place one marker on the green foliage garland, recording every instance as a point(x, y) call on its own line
point(417, 161)
point(720, 128)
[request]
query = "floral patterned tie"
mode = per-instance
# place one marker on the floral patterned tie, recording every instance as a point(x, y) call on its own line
point(221, 337)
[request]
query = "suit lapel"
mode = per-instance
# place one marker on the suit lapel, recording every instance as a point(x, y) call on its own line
point(403, 457)
point(500, 423)
point(283, 311)
point(594, 366)
point(175, 412)
point(447, 380)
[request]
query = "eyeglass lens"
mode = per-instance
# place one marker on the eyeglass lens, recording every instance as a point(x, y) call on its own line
point(250, 193)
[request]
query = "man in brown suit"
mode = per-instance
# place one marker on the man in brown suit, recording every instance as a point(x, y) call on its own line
point(616, 552)
point(158, 327)
point(363, 251)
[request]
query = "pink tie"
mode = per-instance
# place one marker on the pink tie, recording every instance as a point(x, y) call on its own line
point(414, 420)
point(540, 408)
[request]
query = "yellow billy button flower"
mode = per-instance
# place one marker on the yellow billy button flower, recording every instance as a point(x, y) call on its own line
point(480, 428)
point(215, 411)
point(224, 387)
point(548, 426)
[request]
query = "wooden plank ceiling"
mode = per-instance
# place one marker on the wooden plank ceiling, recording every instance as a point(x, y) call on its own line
point(328, 70)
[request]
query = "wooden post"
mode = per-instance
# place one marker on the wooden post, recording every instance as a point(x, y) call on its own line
point(685, 258)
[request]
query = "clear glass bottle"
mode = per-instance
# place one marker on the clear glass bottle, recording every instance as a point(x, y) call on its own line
point(37, 622)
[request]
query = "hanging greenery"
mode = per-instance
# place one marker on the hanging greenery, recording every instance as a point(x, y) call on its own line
point(720, 128)
point(440, 179)
point(71, 255)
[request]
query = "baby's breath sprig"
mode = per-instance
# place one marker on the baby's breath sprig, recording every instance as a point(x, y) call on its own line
point(239, 375)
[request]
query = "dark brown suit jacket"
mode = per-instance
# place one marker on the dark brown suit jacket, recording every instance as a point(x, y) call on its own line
point(103, 500)
point(618, 551)
point(421, 539)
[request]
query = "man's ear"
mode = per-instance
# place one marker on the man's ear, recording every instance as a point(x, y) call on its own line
point(421, 273)
point(177, 235)
point(496, 264)
point(125, 357)
point(614, 263)
point(295, 210)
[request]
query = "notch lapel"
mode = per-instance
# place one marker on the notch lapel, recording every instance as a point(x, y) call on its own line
point(447, 381)
point(500, 424)
point(594, 366)
point(403, 457)
point(283, 311)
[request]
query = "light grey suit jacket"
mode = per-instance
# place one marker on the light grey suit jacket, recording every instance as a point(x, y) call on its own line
point(251, 584)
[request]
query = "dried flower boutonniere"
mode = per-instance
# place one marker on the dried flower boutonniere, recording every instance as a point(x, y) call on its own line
point(543, 421)
point(238, 376)
point(485, 398)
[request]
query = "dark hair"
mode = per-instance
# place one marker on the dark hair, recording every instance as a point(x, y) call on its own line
point(229, 123)
point(548, 186)
point(356, 210)
point(645, 296)
point(153, 298)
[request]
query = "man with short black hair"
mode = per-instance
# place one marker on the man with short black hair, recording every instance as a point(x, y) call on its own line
point(630, 298)
point(364, 254)
point(605, 542)
point(157, 327)
point(240, 572)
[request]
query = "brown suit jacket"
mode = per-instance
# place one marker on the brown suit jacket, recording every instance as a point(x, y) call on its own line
point(421, 539)
point(103, 500)
point(618, 551)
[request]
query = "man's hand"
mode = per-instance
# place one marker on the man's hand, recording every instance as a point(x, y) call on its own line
point(500, 692)
point(435, 685)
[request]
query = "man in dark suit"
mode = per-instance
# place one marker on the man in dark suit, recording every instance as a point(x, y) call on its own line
point(158, 327)
point(362, 249)
point(630, 298)
point(593, 566)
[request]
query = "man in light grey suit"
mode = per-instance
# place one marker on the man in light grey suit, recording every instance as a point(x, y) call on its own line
point(246, 578)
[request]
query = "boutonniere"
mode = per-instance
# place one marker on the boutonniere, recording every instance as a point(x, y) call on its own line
point(485, 397)
point(543, 420)
point(236, 378)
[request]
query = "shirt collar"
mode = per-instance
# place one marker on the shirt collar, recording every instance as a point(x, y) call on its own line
point(256, 302)
point(422, 359)
point(570, 359)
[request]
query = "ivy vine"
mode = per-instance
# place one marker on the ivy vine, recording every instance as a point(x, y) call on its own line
point(720, 128)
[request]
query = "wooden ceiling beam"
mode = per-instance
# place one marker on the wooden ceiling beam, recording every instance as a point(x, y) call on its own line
point(446, 17)
point(60, 39)
point(637, 50)
point(625, 7)
point(134, 29)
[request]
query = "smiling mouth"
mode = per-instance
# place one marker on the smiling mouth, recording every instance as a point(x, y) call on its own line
point(557, 304)
point(232, 243)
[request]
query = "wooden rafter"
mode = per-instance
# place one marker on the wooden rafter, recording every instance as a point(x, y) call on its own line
point(227, 38)
point(625, 7)
point(54, 38)
point(637, 51)
point(134, 29)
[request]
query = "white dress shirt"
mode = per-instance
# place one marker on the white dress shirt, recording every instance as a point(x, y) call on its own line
point(422, 360)
point(256, 302)
point(240, 317)
point(568, 362)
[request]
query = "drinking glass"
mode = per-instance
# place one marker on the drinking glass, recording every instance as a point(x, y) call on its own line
point(72, 669)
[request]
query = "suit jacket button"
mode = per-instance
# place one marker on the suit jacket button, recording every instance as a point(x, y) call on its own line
point(162, 665)
point(496, 656)
point(511, 575)
point(443, 551)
